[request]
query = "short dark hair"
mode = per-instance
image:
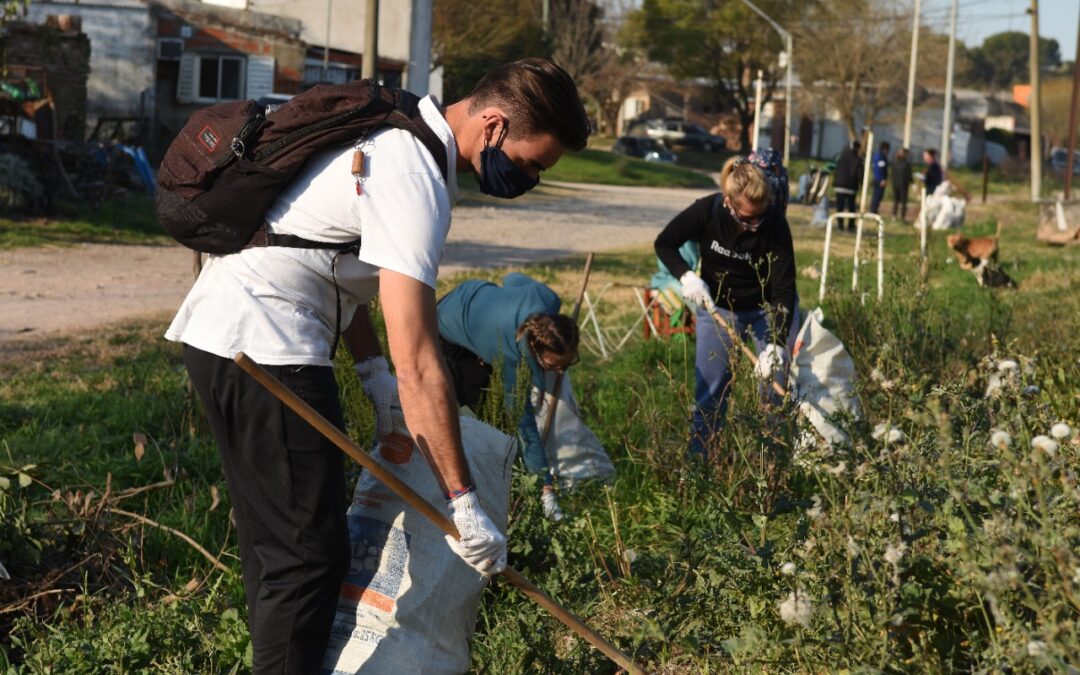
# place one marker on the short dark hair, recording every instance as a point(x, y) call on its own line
point(885, 145)
point(539, 97)
point(932, 152)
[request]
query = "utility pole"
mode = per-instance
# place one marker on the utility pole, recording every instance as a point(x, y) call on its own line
point(1075, 103)
point(418, 76)
point(946, 122)
point(757, 112)
point(787, 77)
point(326, 45)
point(370, 67)
point(911, 75)
point(1036, 126)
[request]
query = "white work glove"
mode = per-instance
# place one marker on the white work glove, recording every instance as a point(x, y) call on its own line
point(770, 361)
point(550, 504)
point(381, 389)
point(481, 544)
point(695, 290)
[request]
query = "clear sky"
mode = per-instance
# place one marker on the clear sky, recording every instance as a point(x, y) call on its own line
point(977, 19)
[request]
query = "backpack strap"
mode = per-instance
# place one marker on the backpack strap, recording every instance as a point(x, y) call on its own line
point(264, 237)
point(407, 116)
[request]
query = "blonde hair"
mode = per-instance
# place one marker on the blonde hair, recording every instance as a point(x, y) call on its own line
point(740, 177)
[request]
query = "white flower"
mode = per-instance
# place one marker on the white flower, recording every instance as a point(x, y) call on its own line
point(894, 554)
point(1046, 444)
point(837, 470)
point(797, 609)
point(1007, 365)
point(815, 511)
point(853, 547)
point(630, 556)
point(884, 430)
point(894, 517)
point(1036, 648)
point(1000, 439)
point(1076, 576)
point(993, 386)
point(1060, 431)
point(788, 569)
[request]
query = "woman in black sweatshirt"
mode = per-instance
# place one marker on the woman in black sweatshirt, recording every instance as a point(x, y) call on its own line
point(748, 273)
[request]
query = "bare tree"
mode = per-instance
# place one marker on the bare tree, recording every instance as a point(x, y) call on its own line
point(584, 35)
point(858, 64)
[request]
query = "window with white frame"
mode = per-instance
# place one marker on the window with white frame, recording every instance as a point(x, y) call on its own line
point(219, 78)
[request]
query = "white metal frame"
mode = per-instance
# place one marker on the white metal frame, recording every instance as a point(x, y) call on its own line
point(859, 218)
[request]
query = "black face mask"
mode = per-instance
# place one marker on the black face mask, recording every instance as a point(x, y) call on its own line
point(499, 176)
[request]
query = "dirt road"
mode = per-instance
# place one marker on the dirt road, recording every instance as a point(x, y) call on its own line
point(55, 291)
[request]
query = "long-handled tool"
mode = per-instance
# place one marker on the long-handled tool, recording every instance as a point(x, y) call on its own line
point(710, 307)
point(340, 439)
point(557, 389)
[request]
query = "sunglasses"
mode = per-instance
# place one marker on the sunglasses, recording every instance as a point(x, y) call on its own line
point(547, 365)
point(751, 221)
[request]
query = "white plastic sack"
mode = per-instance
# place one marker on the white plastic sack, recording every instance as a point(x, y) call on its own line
point(573, 450)
point(824, 378)
point(408, 603)
point(941, 211)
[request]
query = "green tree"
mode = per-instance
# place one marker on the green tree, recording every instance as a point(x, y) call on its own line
point(1002, 59)
point(470, 37)
point(1056, 99)
point(721, 43)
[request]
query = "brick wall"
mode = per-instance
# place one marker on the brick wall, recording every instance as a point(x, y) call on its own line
point(66, 58)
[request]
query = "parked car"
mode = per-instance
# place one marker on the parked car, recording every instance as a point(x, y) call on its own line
point(644, 147)
point(1059, 157)
point(686, 134)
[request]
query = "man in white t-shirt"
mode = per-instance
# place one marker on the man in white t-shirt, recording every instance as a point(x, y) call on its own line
point(282, 306)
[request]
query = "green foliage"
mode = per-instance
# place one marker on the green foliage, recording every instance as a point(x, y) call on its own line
point(939, 551)
point(20, 190)
point(599, 166)
point(125, 219)
point(1002, 59)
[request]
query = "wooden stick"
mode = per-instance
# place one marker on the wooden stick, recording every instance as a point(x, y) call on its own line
point(735, 339)
point(549, 422)
point(354, 451)
point(194, 544)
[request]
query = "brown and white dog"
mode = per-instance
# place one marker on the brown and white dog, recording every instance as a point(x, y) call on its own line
point(979, 254)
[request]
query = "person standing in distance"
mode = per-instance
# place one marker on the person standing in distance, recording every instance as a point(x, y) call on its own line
point(480, 322)
point(846, 180)
point(901, 182)
point(880, 169)
point(281, 306)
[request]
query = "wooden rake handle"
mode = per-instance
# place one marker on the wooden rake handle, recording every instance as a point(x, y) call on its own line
point(557, 389)
point(735, 339)
point(346, 444)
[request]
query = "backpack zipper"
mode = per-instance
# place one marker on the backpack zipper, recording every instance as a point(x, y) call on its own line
point(266, 154)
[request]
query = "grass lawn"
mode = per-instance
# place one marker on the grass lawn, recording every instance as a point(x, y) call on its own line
point(127, 218)
point(936, 552)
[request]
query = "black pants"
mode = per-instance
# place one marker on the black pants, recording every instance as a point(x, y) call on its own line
point(287, 486)
point(845, 202)
point(899, 204)
point(469, 373)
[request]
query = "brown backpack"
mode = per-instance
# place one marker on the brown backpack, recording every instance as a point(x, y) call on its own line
point(231, 160)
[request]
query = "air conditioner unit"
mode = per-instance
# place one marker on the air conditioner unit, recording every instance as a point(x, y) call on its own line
point(169, 49)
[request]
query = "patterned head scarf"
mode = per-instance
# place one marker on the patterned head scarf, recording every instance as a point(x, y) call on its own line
point(772, 164)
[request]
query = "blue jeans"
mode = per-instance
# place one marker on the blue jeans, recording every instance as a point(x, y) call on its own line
point(712, 367)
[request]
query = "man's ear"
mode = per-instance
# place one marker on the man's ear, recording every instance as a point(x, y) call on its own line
point(494, 122)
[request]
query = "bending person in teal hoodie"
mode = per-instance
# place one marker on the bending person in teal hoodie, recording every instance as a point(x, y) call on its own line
point(480, 322)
